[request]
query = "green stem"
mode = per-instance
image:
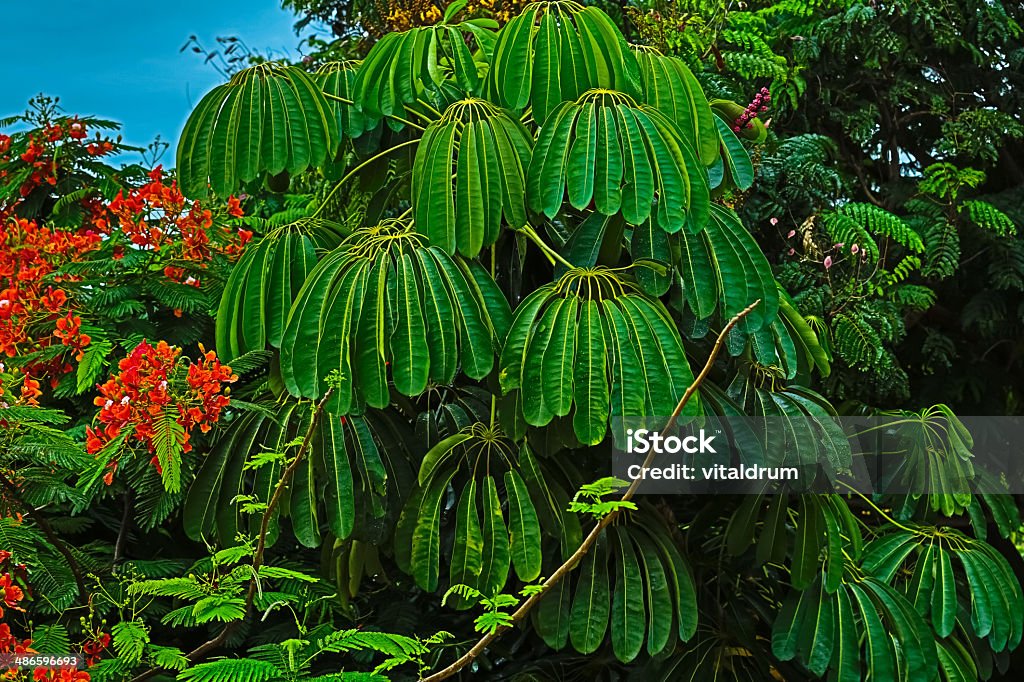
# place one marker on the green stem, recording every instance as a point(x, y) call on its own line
point(878, 510)
point(407, 122)
point(329, 95)
point(551, 254)
point(358, 168)
point(427, 106)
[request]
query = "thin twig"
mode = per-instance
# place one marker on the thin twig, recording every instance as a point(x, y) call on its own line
point(275, 499)
point(257, 560)
point(58, 544)
point(592, 537)
point(122, 533)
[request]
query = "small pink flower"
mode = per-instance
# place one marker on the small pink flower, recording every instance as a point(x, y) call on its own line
point(854, 249)
point(791, 252)
point(792, 233)
point(839, 245)
point(828, 262)
point(774, 221)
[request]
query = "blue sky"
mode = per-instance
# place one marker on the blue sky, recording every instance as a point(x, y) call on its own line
point(119, 59)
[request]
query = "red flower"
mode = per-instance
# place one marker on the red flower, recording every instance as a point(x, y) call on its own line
point(148, 386)
point(10, 594)
point(60, 675)
point(30, 391)
point(99, 148)
point(76, 129)
point(235, 207)
point(33, 151)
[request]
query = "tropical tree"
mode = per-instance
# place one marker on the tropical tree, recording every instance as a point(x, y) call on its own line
point(473, 254)
point(554, 141)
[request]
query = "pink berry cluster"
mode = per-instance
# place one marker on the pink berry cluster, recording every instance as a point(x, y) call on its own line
point(759, 105)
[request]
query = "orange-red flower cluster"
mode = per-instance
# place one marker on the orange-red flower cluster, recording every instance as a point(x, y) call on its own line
point(157, 216)
point(9, 644)
point(152, 382)
point(41, 153)
point(27, 393)
point(29, 254)
point(95, 647)
point(69, 331)
point(60, 675)
point(10, 595)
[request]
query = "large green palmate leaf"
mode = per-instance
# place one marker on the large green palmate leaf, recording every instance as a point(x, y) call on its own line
point(722, 268)
point(496, 520)
point(268, 118)
point(955, 582)
point(606, 151)
point(825, 534)
point(863, 630)
point(469, 172)
point(934, 459)
point(799, 426)
point(417, 64)
point(263, 284)
point(352, 481)
point(633, 586)
point(670, 87)
point(593, 345)
point(384, 302)
point(554, 52)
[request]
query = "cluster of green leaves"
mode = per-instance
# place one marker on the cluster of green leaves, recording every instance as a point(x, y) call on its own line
point(476, 250)
point(903, 141)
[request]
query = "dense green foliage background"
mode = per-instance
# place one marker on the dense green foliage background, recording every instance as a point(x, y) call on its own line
point(480, 232)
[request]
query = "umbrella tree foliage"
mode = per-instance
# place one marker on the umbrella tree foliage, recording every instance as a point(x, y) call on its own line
point(474, 250)
point(549, 135)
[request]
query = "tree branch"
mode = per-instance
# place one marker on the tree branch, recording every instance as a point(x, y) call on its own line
point(58, 544)
point(592, 537)
point(275, 499)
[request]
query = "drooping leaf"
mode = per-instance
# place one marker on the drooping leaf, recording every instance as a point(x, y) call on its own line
point(268, 118)
point(555, 51)
point(603, 146)
point(468, 174)
point(377, 302)
point(622, 348)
